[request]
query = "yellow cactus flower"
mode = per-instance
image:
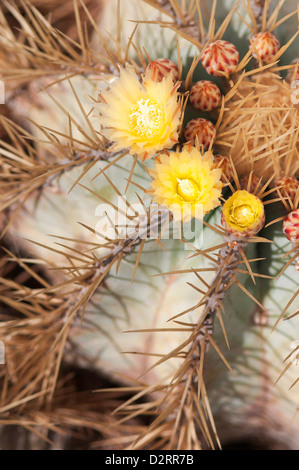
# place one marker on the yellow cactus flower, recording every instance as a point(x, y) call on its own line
point(143, 116)
point(186, 183)
point(243, 214)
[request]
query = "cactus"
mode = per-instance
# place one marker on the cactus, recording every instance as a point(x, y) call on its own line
point(159, 267)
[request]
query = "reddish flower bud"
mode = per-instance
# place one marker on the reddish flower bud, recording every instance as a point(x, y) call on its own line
point(264, 46)
point(254, 183)
point(290, 226)
point(287, 187)
point(205, 95)
point(199, 132)
point(225, 165)
point(220, 58)
point(160, 68)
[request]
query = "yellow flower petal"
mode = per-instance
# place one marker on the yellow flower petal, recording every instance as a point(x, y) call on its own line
point(141, 116)
point(186, 183)
point(243, 214)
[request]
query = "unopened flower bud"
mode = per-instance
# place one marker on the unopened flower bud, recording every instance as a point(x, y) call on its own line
point(200, 132)
point(205, 95)
point(290, 226)
point(264, 46)
point(160, 68)
point(220, 58)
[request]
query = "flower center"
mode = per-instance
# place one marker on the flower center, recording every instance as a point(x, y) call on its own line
point(188, 189)
point(243, 215)
point(145, 118)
